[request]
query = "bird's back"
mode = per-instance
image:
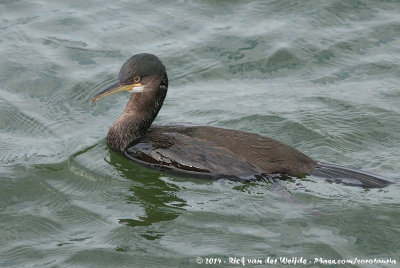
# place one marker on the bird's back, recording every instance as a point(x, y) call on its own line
point(217, 151)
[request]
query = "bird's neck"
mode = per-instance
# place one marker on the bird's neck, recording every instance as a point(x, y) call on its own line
point(139, 114)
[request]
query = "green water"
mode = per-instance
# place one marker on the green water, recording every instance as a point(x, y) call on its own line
point(322, 76)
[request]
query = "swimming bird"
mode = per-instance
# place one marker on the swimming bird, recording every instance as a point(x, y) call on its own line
point(204, 151)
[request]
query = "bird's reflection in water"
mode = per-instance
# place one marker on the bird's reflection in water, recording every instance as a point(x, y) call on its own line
point(157, 198)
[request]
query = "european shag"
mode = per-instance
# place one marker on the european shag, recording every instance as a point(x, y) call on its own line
point(204, 151)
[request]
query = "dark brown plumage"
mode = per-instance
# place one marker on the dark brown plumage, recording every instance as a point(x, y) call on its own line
point(203, 151)
point(219, 150)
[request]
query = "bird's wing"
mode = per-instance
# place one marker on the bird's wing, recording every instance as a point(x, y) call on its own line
point(175, 151)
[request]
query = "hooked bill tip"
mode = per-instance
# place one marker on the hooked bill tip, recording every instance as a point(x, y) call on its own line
point(94, 99)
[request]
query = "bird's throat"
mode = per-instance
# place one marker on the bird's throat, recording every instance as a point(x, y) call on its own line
point(138, 116)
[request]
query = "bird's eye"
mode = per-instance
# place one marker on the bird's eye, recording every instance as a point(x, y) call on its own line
point(136, 79)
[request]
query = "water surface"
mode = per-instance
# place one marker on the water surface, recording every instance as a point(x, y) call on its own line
point(322, 76)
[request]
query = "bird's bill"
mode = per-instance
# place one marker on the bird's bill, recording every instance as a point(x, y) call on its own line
point(115, 88)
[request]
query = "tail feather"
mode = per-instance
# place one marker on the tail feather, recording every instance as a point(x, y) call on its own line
point(350, 176)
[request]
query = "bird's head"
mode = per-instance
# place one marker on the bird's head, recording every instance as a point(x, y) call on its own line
point(140, 73)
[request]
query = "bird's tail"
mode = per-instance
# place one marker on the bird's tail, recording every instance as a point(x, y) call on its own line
point(350, 176)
